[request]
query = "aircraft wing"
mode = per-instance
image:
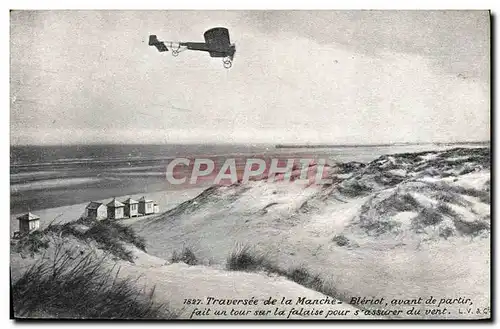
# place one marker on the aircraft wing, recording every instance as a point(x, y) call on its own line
point(217, 38)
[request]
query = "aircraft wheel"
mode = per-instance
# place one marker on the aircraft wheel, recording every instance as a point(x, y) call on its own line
point(227, 63)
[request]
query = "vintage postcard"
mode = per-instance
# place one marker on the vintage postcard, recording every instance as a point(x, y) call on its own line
point(287, 164)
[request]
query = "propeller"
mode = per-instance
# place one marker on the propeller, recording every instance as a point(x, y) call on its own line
point(233, 47)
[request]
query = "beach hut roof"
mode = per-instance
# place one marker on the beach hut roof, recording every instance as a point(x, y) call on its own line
point(94, 205)
point(143, 199)
point(115, 203)
point(28, 217)
point(130, 201)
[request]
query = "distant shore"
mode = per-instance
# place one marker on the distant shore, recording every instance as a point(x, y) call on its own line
point(315, 146)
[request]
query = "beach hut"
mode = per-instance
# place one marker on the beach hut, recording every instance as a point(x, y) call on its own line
point(156, 208)
point(131, 207)
point(28, 223)
point(115, 209)
point(146, 206)
point(96, 210)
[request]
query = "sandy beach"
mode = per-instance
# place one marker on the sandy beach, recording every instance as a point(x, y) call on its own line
point(165, 199)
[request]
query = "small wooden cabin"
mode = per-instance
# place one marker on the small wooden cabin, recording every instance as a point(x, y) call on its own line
point(115, 209)
point(28, 223)
point(96, 210)
point(131, 207)
point(146, 206)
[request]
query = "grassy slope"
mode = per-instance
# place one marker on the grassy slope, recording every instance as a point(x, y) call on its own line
point(70, 271)
point(67, 272)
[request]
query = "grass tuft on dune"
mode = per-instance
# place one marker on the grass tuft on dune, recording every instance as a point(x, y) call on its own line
point(32, 243)
point(186, 256)
point(246, 258)
point(80, 286)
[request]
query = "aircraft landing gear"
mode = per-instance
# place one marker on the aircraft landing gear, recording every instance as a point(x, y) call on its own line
point(227, 62)
point(175, 48)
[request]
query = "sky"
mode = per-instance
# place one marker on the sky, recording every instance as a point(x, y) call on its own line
point(336, 77)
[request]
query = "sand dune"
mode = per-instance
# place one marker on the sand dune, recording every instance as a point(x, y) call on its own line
point(403, 236)
point(400, 227)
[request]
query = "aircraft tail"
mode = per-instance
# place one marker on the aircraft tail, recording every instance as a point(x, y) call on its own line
point(153, 41)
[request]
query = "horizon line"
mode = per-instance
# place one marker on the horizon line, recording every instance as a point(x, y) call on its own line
point(276, 145)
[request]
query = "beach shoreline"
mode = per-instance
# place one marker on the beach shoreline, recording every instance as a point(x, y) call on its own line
point(166, 200)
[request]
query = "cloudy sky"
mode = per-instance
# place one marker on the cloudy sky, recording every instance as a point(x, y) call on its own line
point(298, 77)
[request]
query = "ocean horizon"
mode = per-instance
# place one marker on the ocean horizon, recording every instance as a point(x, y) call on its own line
point(44, 177)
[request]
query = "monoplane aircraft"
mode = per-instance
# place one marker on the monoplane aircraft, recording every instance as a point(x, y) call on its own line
point(217, 44)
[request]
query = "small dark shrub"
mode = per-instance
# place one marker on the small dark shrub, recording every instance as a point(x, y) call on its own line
point(446, 232)
point(306, 207)
point(64, 230)
point(246, 259)
point(473, 228)
point(86, 221)
point(127, 234)
point(445, 209)
point(186, 256)
point(410, 200)
point(299, 275)
point(302, 276)
point(387, 179)
point(450, 197)
point(487, 185)
point(354, 189)
point(427, 217)
point(341, 240)
point(32, 242)
point(109, 235)
point(379, 227)
point(466, 170)
point(484, 196)
point(396, 203)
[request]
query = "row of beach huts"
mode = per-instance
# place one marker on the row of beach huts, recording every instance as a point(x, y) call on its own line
point(118, 210)
point(99, 211)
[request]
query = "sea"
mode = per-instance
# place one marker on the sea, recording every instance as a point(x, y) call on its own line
point(43, 177)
